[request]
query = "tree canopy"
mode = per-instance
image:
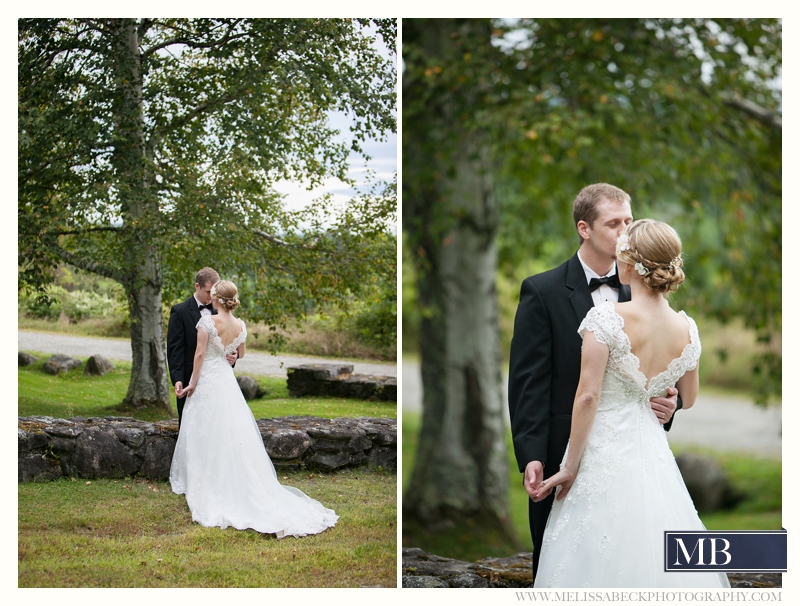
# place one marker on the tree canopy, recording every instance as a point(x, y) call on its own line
point(148, 148)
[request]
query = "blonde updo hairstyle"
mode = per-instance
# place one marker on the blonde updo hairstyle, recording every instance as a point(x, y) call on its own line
point(226, 294)
point(657, 247)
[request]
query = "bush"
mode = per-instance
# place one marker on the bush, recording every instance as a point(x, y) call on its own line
point(84, 305)
point(45, 305)
point(377, 324)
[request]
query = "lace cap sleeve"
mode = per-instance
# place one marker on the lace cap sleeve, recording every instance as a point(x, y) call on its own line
point(694, 349)
point(603, 322)
point(207, 324)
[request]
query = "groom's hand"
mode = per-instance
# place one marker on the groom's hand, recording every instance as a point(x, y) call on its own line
point(178, 388)
point(534, 472)
point(664, 408)
point(232, 357)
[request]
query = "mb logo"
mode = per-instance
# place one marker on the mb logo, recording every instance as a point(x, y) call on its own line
point(702, 555)
point(728, 551)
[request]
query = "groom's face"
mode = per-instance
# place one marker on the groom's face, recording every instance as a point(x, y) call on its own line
point(607, 227)
point(203, 292)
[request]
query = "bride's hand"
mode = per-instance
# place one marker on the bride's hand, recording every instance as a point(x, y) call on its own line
point(563, 478)
point(186, 392)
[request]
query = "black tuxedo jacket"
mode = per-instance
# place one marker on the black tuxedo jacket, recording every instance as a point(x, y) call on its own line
point(545, 362)
point(182, 339)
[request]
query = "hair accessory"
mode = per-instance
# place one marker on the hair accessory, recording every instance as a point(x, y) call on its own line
point(641, 268)
point(623, 243)
point(676, 262)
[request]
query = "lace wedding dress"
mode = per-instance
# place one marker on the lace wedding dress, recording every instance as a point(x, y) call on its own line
point(609, 529)
point(220, 462)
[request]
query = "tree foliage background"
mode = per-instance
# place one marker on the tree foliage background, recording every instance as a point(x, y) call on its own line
point(148, 149)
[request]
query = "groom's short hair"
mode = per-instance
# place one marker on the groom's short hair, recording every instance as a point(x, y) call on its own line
point(584, 208)
point(206, 275)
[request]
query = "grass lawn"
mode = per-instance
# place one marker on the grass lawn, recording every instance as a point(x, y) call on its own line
point(137, 533)
point(73, 394)
point(758, 479)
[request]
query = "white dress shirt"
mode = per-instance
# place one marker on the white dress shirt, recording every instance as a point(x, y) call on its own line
point(605, 292)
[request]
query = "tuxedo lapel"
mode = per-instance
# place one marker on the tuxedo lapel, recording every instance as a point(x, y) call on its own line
point(194, 310)
point(580, 298)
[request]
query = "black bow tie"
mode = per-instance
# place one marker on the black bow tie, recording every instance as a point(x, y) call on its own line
point(210, 307)
point(612, 281)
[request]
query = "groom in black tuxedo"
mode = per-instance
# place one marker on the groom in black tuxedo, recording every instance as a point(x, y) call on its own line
point(545, 362)
point(182, 332)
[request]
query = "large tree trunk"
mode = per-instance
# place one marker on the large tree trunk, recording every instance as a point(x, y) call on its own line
point(149, 385)
point(461, 470)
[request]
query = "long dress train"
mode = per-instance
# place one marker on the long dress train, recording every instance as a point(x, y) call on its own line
point(220, 462)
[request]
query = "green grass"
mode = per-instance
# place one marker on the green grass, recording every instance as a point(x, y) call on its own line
point(74, 394)
point(758, 479)
point(137, 533)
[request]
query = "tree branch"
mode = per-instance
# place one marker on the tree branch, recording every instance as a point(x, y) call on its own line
point(270, 237)
point(753, 109)
point(87, 265)
point(227, 37)
point(72, 232)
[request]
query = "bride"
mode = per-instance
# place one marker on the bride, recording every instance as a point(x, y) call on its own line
point(220, 462)
point(619, 487)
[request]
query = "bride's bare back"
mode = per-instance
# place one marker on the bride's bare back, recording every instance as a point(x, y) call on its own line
point(228, 327)
point(657, 336)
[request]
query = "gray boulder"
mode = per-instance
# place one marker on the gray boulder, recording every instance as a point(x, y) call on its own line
point(707, 483)
point(250, 388)
point(26, 359)
point(58, 363)
point(97, 366)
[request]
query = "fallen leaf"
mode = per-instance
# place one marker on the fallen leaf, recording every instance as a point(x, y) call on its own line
point(159, 560)
point(87, 483)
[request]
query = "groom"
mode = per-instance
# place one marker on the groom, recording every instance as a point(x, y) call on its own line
point(545, 362)
point(182, 332)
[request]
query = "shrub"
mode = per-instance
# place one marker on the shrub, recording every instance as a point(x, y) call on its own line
point(45, 305)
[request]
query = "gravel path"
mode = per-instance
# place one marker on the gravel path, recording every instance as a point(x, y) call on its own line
point(255, 363)
point(722, 423)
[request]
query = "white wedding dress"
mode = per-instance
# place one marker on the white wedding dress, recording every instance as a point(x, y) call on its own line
point(220, 462)
point(609, 529)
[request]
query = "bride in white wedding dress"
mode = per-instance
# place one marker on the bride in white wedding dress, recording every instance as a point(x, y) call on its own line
point(619, 487)
point(220, 462)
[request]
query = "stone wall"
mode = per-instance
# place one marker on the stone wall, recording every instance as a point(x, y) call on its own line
point(116, 447)
point(338, 380)
point(423, 569)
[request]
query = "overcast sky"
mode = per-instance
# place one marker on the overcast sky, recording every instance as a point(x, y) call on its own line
point(382, 163)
